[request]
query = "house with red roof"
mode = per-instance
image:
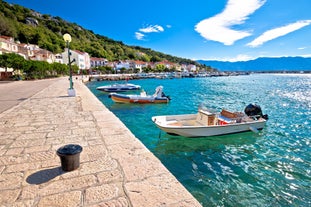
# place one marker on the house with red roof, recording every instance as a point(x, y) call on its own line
point(137, 64)
point(7, 45)
point(98, 62)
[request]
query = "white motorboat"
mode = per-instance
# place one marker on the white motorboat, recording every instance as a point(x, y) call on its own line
point(119, 87)
point(143, 98)
point(206, 123)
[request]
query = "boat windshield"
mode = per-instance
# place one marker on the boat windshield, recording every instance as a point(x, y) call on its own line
point(209, 110)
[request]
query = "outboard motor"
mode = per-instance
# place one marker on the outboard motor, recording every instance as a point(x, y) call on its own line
point(160, 94)
point(163, 95)
point(255, 111)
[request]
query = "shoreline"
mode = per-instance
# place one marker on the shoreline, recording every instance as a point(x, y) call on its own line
point(172, 75)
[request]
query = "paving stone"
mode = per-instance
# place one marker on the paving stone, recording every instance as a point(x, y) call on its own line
point(110, 176)
point(40, 148)
point(14, 151)
point(50, 163)
point(21, 167)
point(24, 203)
point(68, 199)
point(103, 192)
point(69, 184)
point(100, 165)
point(11, 181)
point(2, 169)
point(41, 156)
point(8, 196)
point(146, 192)
point(13, 159)
point(119, 202)
point(29, 192)
point(147, 166)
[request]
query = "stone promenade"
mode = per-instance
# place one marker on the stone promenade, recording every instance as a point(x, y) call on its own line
point(116, 169)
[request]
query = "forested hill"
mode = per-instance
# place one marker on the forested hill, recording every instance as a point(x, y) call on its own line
point(46, 31)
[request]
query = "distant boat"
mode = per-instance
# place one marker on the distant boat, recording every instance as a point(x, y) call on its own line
point(205, 123)
point(119, 87)
point(143, 98)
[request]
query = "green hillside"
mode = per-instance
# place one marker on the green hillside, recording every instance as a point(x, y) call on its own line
point(28, 26)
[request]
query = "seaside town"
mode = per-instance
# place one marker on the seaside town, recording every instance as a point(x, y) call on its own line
point(86, 65)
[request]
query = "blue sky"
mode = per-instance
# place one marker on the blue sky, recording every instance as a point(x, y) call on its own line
point(228, 30)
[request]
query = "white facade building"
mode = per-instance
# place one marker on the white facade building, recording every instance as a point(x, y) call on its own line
point(121, 64)
point(98, 62)
point(81, 59)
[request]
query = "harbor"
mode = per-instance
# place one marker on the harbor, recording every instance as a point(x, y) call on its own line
point(163, 75)
point(116, 169)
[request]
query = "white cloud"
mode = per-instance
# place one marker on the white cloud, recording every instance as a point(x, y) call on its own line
point(139, 36)
point(278, 32)
point(152, 28)
point(218, 29)
point(149, 29)
point(240, 57)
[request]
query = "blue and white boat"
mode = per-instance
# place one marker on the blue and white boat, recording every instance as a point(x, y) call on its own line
point(143, 98)
point(119, 87)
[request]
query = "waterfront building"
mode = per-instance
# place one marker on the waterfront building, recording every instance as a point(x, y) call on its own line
point(42, 55)
point(59, 58)
point(122, 64)
point(81, 59)
point(7, 45)
point(137, 64)
point(27, 50)
point(98, 62)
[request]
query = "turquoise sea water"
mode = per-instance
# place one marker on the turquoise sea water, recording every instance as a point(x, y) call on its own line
point(272, 168)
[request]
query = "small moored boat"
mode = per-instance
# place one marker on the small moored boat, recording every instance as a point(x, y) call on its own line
point(206, 123)
point(119, 87)
point(143, 98)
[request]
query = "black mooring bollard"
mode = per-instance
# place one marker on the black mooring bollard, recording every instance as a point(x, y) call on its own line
point(69, 156)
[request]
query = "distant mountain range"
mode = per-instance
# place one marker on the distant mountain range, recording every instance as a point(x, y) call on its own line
point(263, 64)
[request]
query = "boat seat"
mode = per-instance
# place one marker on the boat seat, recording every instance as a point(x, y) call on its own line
point(190, 123)
point(228, 114)
point(223, 120)
point(174, 123)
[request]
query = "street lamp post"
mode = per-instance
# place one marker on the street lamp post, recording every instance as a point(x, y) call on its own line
point(71, 90)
